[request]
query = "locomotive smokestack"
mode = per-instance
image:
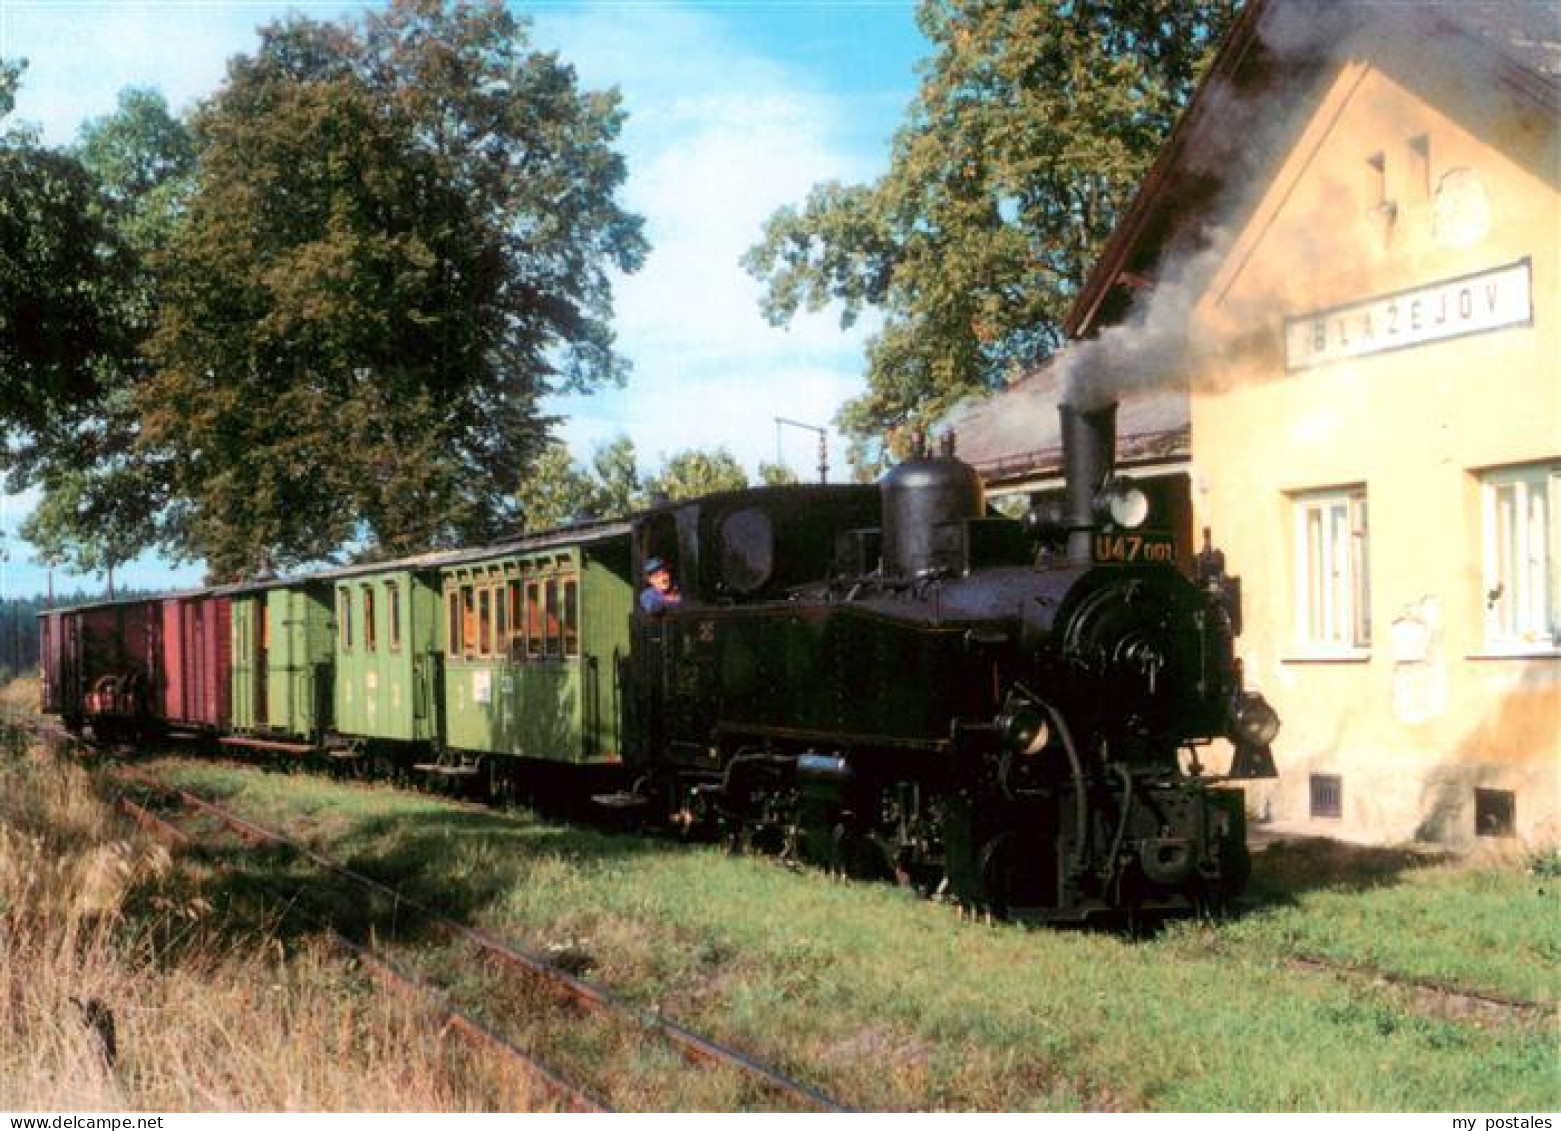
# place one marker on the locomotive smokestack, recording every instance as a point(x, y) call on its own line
point(1089, 441)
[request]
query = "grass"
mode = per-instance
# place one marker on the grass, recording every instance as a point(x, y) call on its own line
point(126, 986)
point(890, 1003)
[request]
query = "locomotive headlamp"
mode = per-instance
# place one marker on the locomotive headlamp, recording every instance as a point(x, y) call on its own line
point(1024, 730)
point(1123, 502)
point(1257, 724)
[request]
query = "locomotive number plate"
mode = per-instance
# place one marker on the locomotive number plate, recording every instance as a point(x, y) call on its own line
point(1134, 549)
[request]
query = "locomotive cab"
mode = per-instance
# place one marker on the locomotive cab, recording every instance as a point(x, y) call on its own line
point(754, 545)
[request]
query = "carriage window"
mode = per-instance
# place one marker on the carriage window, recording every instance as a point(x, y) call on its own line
point(368, 618)
point(500, 620)
point(265, 627)
point(554, 637)
point(344, 617)
point(533, 619)
point(485, 621)
point(468, 620)
point(571, 618)
point(453, 644)
point(516, 642)
point(393, 611)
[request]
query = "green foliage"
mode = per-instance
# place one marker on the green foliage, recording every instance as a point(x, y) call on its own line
point(691, 473)
point(1033, 127)
point(63, 274)
point(104, 500)
point(398, 237)
point(559, 491)
point(776, 475)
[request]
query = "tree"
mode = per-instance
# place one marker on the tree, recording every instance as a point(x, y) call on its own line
point(104, 501)
point(63, 277)
point(556, 491)
point(1034, 125)
point(399, 237)
point(559, 490)
point(776, 475)
point(692, 472)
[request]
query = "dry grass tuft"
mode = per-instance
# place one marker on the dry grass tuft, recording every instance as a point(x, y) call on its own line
point(124, 989)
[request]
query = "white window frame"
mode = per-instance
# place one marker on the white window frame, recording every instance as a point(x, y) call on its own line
point(1332, 572)
point(1520, 592)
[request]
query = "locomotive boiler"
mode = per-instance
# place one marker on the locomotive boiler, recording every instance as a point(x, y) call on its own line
point(896, 682)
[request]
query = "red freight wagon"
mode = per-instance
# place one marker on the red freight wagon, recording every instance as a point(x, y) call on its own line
point(56, 668)
point(197, 649)
point(102, 665)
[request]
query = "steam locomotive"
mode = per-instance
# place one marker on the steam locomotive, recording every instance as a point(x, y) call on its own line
point(888, 681)
point(908, 686)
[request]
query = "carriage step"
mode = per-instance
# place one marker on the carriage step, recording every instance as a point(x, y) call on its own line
point(266, 744)
point(620, 800)
point(343, 753)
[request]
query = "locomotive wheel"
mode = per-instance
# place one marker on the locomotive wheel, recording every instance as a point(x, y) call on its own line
point(861, 856)
point(999, 867)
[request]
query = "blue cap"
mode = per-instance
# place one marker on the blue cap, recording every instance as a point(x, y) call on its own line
point(654, 564)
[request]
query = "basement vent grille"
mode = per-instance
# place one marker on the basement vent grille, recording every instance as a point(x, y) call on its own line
point(1327, 796)
point(1495, 812)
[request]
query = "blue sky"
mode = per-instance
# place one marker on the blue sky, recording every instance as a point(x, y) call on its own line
point(735, 108)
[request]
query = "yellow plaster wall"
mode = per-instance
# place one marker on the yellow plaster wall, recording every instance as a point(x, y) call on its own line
point(1411, 740)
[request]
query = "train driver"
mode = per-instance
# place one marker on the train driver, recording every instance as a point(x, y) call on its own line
point(659, 594)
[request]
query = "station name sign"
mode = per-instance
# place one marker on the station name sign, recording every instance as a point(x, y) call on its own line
point(1472, 304)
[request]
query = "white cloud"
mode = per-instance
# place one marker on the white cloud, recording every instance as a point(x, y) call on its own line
point(718, 138)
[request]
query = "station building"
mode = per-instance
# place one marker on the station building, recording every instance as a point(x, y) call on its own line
point(1346, 265)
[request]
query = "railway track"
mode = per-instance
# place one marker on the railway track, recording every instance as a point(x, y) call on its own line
point(498, 952)
point(1442, 997)
point(388, 972)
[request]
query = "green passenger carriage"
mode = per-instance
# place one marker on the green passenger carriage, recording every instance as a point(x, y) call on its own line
point(533, 635)
point(387, 651)
point(281, 684)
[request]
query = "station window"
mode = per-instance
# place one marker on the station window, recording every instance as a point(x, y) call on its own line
point(1522, 576)
point(453, 642)
point(1333, 599)
point(393, 613)
point(1327, 796)
point(1495, 812)
point(368, 618)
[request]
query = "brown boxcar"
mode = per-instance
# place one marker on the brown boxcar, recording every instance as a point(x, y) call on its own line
point(102, 665)
point(196, 660)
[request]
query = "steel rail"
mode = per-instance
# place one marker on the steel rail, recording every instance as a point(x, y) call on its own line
point(1315, 963)
point(690, 1043)
point(391, 973)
